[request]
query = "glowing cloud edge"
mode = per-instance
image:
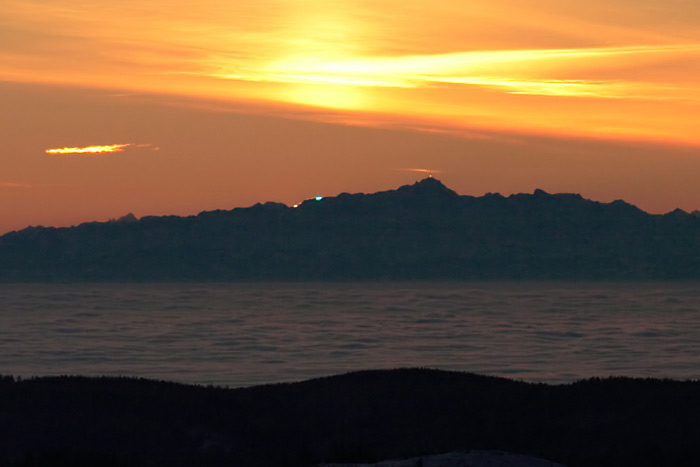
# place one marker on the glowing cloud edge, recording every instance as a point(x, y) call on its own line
point(89, 149)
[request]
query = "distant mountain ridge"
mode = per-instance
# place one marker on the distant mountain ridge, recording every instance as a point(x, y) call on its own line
point(420, 231)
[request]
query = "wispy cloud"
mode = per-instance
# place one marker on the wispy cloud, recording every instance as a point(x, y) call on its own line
point(152, 147)
point(110, 148)
point(13, 185)
point(534, 72)
point(426, 171)
point(89, 149)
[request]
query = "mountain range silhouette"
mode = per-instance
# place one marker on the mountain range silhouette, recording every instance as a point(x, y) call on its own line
point(423, 231)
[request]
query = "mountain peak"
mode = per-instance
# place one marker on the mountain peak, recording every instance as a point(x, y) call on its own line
point(428, 186)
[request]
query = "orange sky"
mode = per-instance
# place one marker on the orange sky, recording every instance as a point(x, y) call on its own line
point(220, 104)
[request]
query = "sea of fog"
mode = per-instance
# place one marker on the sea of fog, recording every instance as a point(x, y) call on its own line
point(238, 334)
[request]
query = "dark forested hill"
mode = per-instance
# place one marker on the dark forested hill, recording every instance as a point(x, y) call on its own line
point(421, 231)
point(359, 417)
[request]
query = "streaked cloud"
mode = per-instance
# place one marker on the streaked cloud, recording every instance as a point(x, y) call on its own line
point(110, 148)
point(13, 185)
point(89, 149)
point(152, 147)
point(425, 171)
point(533, 72)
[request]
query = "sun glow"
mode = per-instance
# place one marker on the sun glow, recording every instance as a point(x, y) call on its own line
point(89, 149)
point(552, 68)
point(534, 72)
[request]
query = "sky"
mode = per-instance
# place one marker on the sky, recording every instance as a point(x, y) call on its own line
point(174, 107)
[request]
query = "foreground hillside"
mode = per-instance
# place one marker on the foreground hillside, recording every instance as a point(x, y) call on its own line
point(358, 417)
point(423, 231)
